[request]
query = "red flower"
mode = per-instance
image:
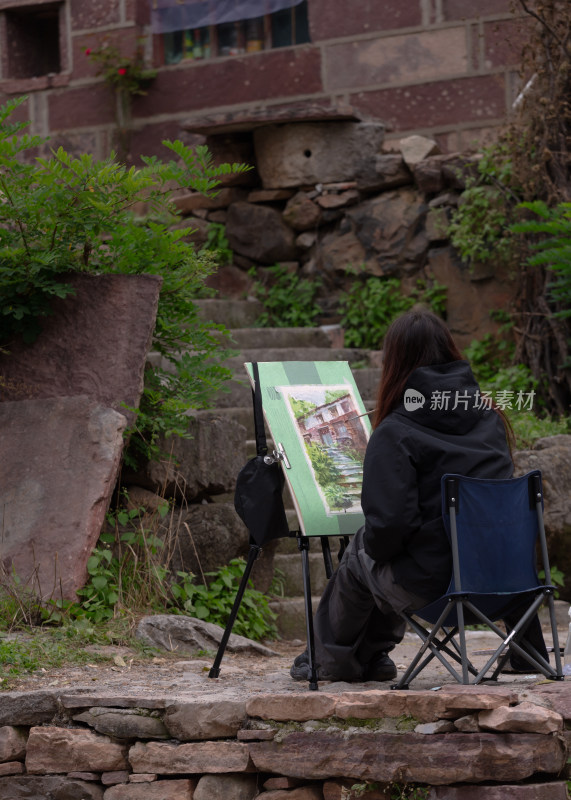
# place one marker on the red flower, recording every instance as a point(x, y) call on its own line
point(122, 70)
point(88, 51)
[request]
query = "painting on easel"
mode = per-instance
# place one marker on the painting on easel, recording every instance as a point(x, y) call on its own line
point(320, 428)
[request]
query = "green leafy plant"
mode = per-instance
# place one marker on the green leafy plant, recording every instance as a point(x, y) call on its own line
point(359, 790)
point(128, 573)
point(129, 74)
point(289, 300)
point(213, 601)
point(216, 242)
point(557, 577)
point(479, 227)
point(371, 304)
point(528, 428)
point(409, 791)
point(63, 214)
point(552, 249)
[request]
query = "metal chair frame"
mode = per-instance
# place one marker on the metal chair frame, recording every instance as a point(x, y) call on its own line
point(458, 606)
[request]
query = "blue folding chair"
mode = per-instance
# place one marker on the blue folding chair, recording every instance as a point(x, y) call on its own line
point(494, 527)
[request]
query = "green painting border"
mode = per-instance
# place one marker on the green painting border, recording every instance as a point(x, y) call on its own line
point(312, 515)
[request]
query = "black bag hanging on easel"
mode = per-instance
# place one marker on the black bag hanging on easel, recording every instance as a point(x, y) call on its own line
point(258, 497)
point(259, 503)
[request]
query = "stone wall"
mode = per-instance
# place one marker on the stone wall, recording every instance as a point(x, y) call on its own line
point(446, 68)
point(334, 203)
point(464, 743)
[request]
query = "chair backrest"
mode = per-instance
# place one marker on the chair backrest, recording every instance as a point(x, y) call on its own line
point(497, 526)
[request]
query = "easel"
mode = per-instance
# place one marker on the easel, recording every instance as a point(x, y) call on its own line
point(303, 544)
point(253, 554)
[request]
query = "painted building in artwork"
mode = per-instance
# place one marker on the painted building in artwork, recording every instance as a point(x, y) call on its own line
point(442, 68)
point(335, 423)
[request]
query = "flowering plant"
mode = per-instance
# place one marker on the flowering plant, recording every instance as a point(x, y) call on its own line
point(128, 76)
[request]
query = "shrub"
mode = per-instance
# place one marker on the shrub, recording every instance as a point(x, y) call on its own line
point(288, 299)
point(64, 214)
point(371, 304)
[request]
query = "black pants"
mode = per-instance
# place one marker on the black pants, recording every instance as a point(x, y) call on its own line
point(358, 617)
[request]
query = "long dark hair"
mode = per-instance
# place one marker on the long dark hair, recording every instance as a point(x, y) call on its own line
point(418, 338)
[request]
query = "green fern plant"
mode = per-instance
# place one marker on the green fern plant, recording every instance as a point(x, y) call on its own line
point(550, 234)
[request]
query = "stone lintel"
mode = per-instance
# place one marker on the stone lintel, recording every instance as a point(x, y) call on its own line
point(248, 119)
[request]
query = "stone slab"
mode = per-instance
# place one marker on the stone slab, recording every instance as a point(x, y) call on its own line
point(79, 749)
point(60, 460)
point(181, 789)
point(310, 153)
point(216, 717)
point(27, 708)
point(194, 758)
point(95, 343)
point(32, 787)
point(446, 758)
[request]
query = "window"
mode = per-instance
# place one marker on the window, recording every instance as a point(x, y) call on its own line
point(282, 28)
point(33, 40)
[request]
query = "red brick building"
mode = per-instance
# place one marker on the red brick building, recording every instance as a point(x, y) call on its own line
point(443, 68)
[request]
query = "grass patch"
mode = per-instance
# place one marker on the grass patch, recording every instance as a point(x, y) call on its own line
point(44, 648)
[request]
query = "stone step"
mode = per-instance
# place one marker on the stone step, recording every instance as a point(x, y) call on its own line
point(352, 355)
point(252, 338)
point(290, 612)
point(244, 415)
point(239, 394)
point(231, 313)
point(288, 573)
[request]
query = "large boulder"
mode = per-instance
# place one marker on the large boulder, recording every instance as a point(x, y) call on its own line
point(204, 537)
point(94, 343)
point(470, 294)
point(552, 455)
point(259, 233)
point(390, 229)
point(206, 463)
point(60, 460)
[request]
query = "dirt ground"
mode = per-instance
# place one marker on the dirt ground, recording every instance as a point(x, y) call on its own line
point(123, 671)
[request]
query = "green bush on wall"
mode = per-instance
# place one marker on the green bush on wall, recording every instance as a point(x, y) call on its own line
point(371, 304)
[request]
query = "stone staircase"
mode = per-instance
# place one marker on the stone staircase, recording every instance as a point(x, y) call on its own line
point(285, 344)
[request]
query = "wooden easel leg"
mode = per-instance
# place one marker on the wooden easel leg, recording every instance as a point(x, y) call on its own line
point(303, 545)
point(255, 551)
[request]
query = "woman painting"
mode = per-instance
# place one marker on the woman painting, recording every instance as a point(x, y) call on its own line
point(430, 419)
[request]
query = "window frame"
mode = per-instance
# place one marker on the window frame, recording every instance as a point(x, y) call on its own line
point(242, 40)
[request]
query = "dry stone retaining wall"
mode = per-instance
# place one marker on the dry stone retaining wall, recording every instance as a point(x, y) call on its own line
point(462, 742)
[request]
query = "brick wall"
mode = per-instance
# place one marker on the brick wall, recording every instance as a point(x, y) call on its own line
point(444, 68)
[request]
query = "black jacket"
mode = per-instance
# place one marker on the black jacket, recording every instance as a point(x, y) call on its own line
point(406, 457)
